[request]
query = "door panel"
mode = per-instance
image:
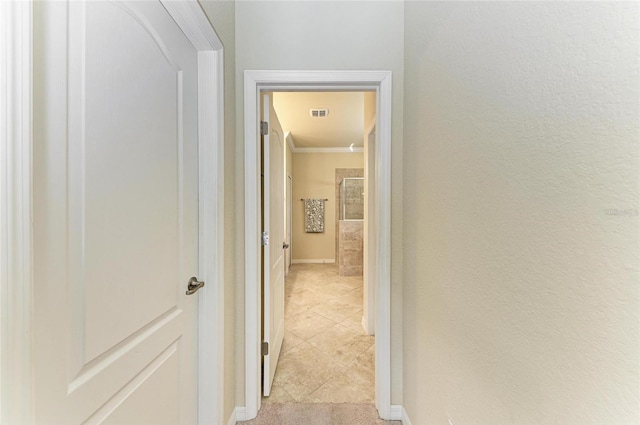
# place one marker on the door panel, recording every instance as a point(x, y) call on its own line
point(273, 308)
point(119, 173)
point(111, 314)
point(142, 391)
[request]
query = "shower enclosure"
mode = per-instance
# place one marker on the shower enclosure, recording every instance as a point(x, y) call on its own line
point(351, 226)
point(352, 198)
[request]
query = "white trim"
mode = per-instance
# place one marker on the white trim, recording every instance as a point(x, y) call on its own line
point(252, 240)
point(335, 149)
point(211, 240)
point(328, 150)
point(314, 261)
point(289, 138)
point(363, 322)
point(369, 267)
point(405, 417)
point(254, 81)
point(382, 257)
point(194, 23)
point(16, 252)
point(241, 413)
point(395, 412)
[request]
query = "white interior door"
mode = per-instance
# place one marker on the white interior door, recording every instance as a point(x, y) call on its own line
point(273, 305)
point(115, 215)
point(289, 224)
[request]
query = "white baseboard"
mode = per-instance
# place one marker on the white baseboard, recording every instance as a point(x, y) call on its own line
point(364, 328)
point(405, 417)
point(395, 412)
point(240, 414)
point(315, 261)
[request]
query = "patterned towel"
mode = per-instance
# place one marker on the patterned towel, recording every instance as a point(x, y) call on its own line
point(314, 215)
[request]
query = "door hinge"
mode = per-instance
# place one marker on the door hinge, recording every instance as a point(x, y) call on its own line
point(265, 348)
point(264, 128)
point(265, 238)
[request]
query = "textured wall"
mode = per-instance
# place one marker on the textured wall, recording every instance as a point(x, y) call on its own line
point(521, 213)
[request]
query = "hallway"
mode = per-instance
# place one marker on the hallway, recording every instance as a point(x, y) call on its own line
point(326, 356)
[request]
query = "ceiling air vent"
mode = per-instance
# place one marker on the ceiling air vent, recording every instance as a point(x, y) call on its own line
point(319, 113)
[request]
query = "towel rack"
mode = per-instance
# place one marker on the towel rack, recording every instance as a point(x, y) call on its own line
point(325, 199)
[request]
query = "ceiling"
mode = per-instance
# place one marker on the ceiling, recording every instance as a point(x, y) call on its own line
point(343, 125)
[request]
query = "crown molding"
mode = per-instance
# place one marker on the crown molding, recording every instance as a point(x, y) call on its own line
point(335, 149)
point(328, 150)
point(289, 138)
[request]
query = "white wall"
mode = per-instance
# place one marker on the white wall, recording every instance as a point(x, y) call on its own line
point(325, 35)
point(521, 213)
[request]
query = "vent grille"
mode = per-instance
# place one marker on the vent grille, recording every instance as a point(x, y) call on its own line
point(318, 113)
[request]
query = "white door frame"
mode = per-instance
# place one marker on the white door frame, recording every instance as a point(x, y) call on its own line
point(369, 269)
point(289, 220)
point(254, 82)
point(15, 212)
point(16, 194)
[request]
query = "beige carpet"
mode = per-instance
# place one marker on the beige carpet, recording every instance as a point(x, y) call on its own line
point(318, 414)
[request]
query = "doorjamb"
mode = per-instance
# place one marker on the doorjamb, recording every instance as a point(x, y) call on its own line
point(16, 193)
point(368, 306)
point(194, 23)
point(289, 220)
point(16, 251)
point(254, 83)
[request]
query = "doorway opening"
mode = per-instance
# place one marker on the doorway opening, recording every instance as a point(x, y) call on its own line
point(315, 139)
point(257, 82)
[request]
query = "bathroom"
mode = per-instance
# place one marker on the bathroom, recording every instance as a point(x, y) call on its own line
point(328, 350)
point(320, 153)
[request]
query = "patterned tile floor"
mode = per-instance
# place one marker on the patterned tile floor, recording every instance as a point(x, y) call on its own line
point(326, 356)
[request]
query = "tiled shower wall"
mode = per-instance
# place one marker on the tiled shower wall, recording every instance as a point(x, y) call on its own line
point(341, 173)
point(351, 247)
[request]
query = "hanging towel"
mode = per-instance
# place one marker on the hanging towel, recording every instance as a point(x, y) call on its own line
point(314, 215)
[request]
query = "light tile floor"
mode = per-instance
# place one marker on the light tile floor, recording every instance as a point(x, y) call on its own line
point(326, 356)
